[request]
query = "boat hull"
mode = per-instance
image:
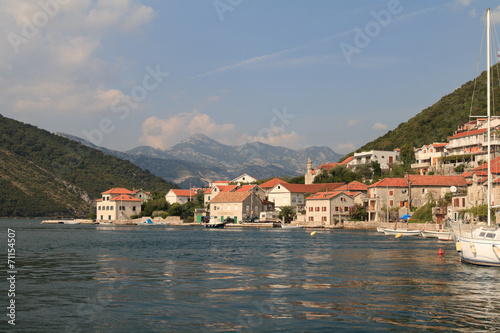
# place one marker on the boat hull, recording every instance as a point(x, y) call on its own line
point(478, 251)
point(394, 232)
point(215, 225)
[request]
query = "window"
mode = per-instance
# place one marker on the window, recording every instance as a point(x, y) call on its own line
point(311, 219)
point(99, 208)
point(109, 217)
point(311, 209)
point(346, 209)
point(391, 193)
point(323, 209)
point(323, 218)
point(391, 203)
point(423, 191)
point(463, 202)
point(111, 208)
point(102, 217)
point(235, 207)
point(228, 207)
point(317, 209)
point(401, 204)
point(133, 208)
point(336, 208)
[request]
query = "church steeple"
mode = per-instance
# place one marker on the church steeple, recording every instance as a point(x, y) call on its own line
point(308, 178)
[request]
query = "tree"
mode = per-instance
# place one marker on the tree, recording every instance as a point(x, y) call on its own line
point(358, 213)
point(407, 155)
point(287, 214)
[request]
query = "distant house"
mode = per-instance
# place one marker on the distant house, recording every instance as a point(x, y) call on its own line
point(428, 157)
point(141, 194)
point(238, 205)
point(312, 173)
point(285, 194)
point(244, 179)
point(117, 204)
point(181, 196)
point(385, 158)
point(214, 191)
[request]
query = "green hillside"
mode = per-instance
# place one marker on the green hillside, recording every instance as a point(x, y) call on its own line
point(43, 174)
point(439, 121)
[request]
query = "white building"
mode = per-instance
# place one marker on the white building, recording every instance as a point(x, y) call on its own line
point(384, 158)
point(117, 204)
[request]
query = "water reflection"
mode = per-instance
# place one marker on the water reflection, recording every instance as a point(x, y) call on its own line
point(252, 280)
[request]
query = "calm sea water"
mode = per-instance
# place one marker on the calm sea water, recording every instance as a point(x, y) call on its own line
point(181, 279)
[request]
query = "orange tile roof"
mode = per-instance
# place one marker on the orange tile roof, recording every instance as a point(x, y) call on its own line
point(125, 197)
point(354, 186)
point(468, 133)
point(272, 183)
point(495, 166)
point(245, 188)
point(230, 197)
point(324, 195)
point(184, 193)
point(117, 190)
point(311, 188)
point(390, 182)
point(347, 160)
point(436, 180)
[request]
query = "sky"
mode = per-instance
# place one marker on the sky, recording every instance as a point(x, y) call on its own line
point(292, 73)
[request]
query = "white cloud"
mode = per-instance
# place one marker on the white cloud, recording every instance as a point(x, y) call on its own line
point(276, 136)
point(49, 60)
point(345, 147)
point(379, 127)
point(353, 122)
point(164, 133)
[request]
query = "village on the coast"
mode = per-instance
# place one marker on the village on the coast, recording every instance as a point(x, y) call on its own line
point(452, 173)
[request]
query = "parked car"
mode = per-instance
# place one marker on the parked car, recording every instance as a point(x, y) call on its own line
point(205, 219)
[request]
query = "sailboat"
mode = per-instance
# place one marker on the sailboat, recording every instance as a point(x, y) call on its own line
point(475, 244)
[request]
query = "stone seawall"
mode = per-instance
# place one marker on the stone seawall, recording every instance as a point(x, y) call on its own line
point(374, 225)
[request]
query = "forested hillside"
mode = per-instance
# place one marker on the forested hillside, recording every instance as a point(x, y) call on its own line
point(438, 122)
point(43, 174)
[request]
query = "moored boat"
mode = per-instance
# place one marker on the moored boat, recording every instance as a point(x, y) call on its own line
point(475, 244)
point(403, 232)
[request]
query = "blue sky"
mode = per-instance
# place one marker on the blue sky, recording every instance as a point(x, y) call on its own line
point(124, 73)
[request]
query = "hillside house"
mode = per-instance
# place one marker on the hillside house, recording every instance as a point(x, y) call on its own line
point(141, 194)
point(238, 205)
point(385, 158)
point(427, 157)
point(312, 173)
point(244, 179)
point(117, 204)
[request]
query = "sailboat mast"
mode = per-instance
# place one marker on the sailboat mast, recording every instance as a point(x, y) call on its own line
point(488, 97)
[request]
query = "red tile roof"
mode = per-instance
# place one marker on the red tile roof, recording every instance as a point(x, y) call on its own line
point(390, 182)
point(184, 193)
point(311, 188)
point(272, 183)
point(435, 180)
point(118, 190)
point(354, 186)
point(125, 197)
point(245, 188)
point(468, 133)
point(495, 166)
point(230, 197)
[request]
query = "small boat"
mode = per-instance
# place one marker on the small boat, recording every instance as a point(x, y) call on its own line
point(60, 222)
point(217, 225)
point(403, 232)
point(446, 237)
point(381, 229)
point(148, 222)
point(433, 234)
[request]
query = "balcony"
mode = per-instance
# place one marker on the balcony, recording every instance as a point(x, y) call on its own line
point(421, 165)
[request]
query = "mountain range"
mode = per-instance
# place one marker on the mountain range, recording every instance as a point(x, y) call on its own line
point(198, 160)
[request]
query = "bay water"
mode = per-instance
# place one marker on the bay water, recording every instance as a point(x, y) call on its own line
point(74, 278)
